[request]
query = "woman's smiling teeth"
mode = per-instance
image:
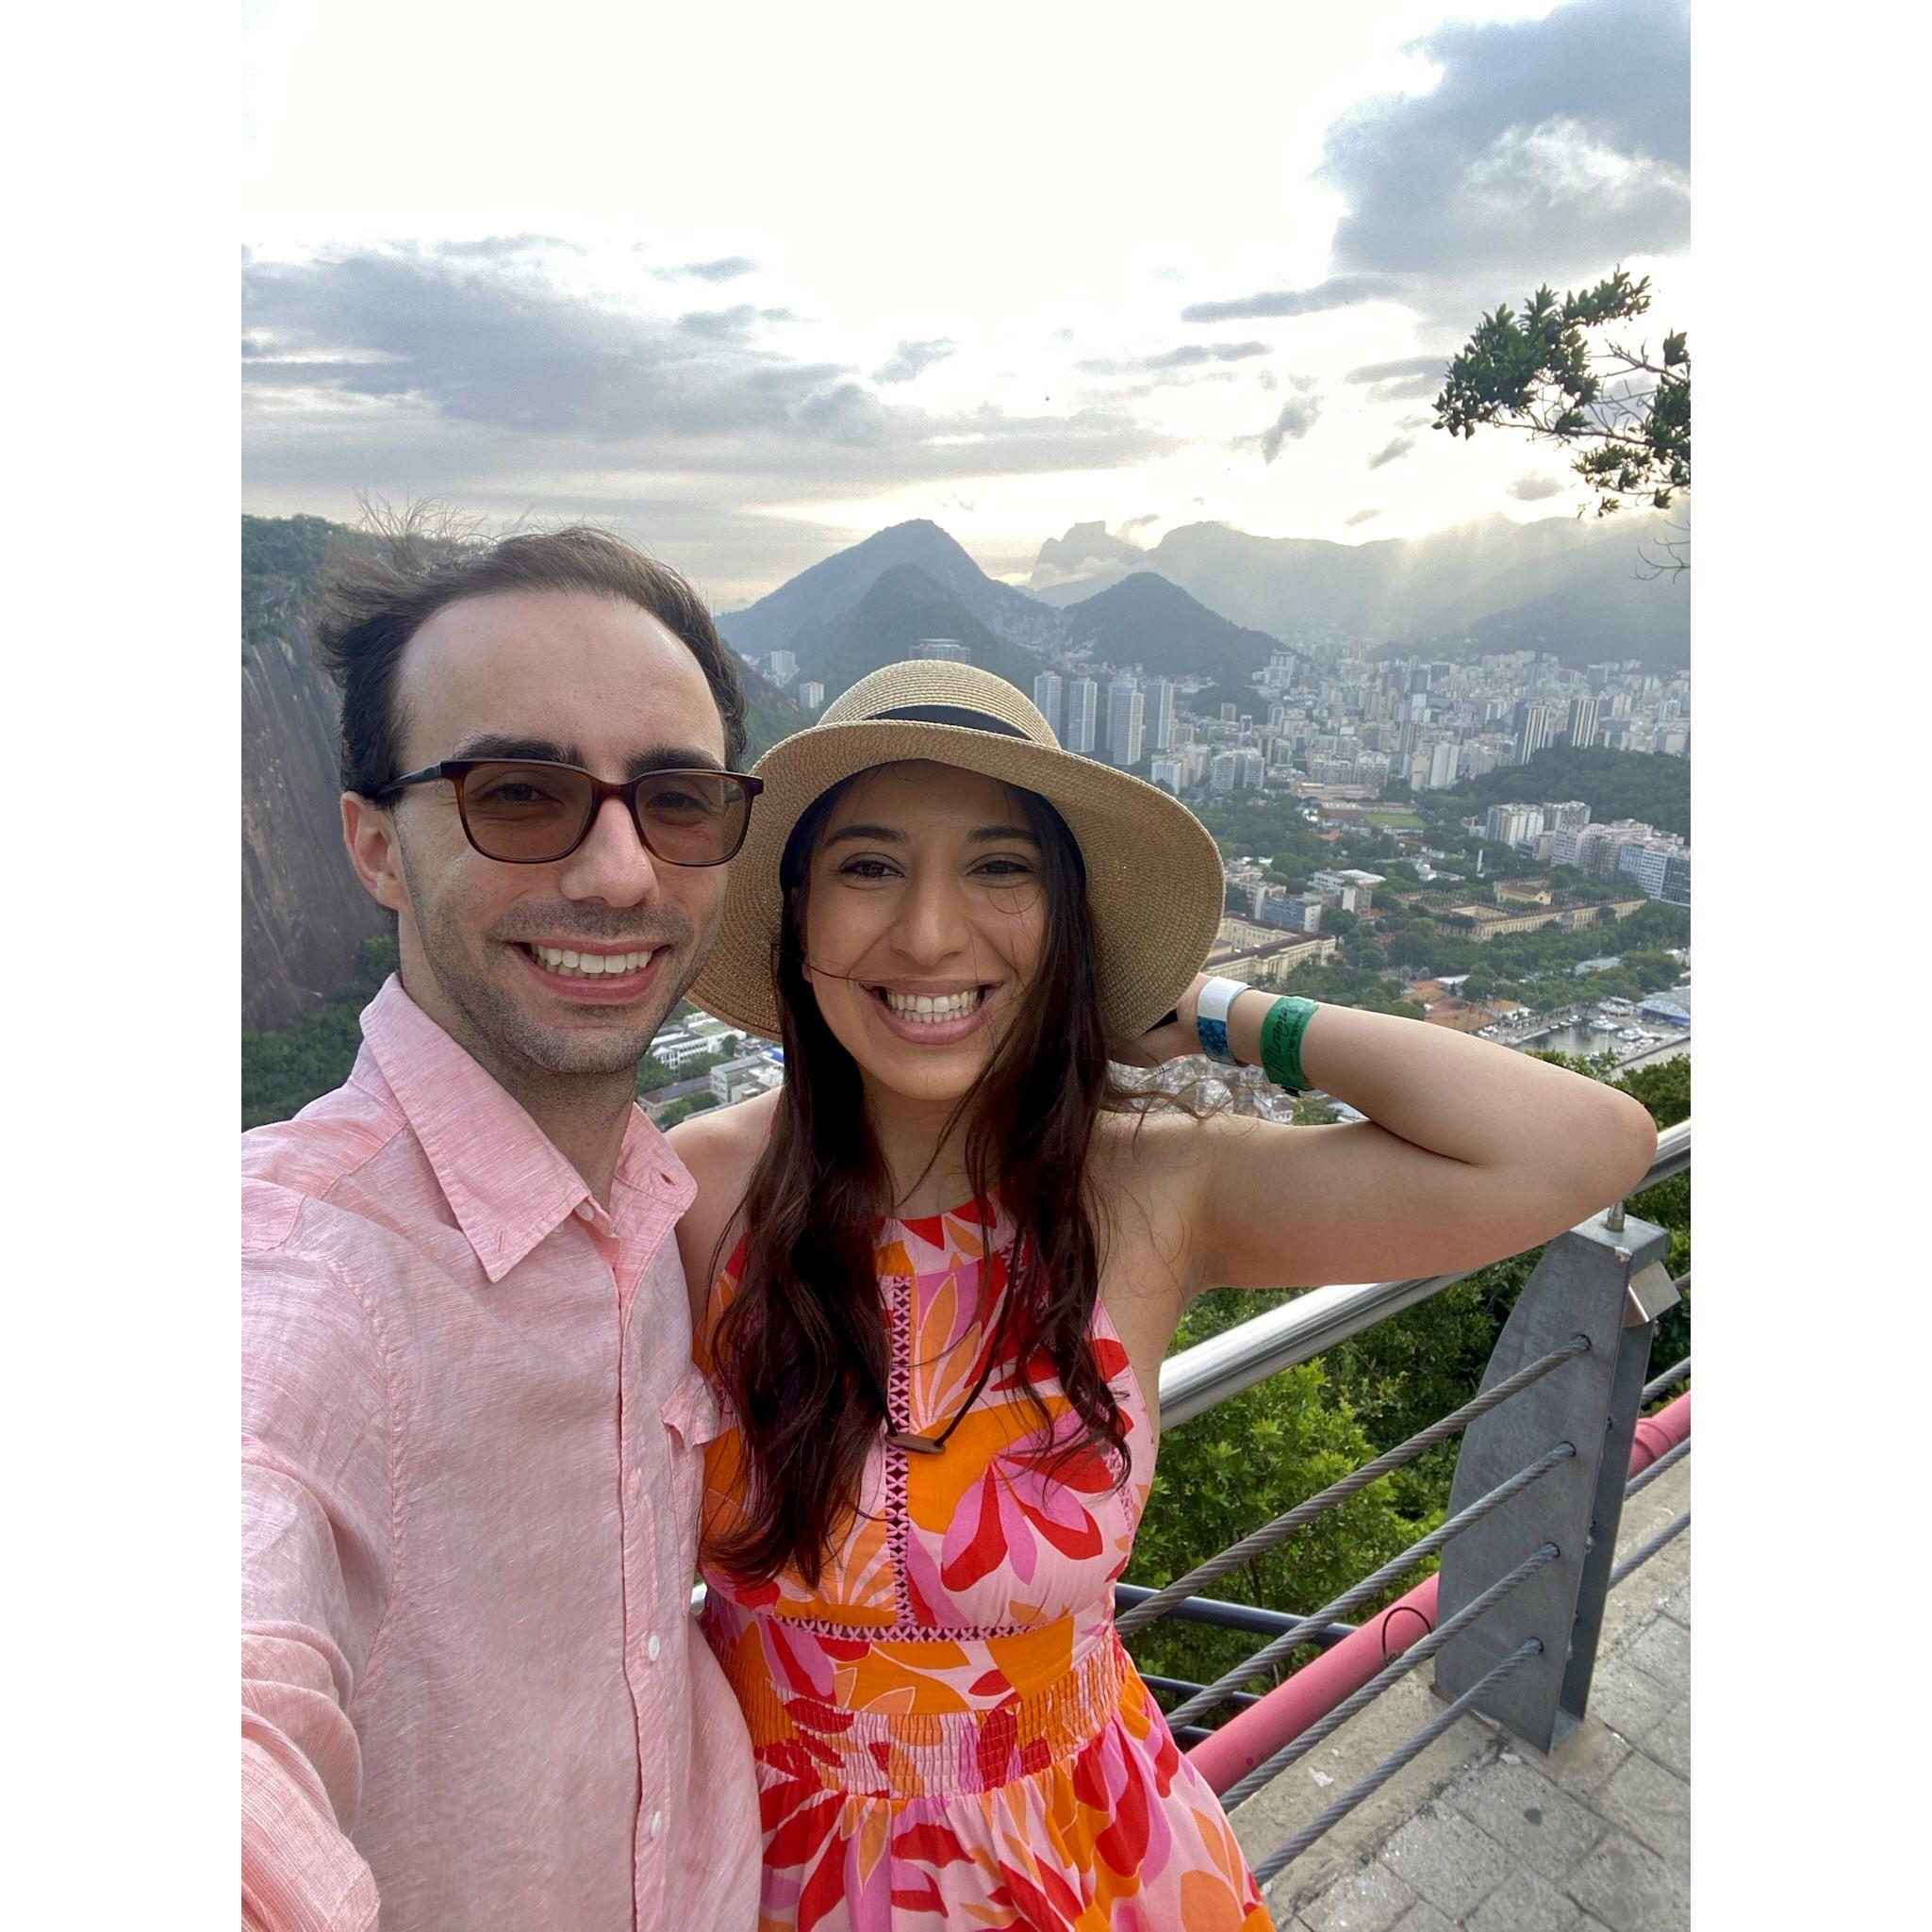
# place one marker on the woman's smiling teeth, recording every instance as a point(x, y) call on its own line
point(923, 1006)
point(590, 965)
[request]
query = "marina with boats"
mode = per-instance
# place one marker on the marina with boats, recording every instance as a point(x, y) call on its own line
point(1625, 1031)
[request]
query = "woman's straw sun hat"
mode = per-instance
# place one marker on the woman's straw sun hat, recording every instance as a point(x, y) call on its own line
point(1154, 884)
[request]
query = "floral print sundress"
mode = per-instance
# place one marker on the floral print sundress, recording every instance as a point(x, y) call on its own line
point(948, 1731)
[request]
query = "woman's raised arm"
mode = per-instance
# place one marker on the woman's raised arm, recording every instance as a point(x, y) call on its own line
point(1470, 1153)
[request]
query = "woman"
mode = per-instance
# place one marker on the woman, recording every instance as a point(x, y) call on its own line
point(945, 1260)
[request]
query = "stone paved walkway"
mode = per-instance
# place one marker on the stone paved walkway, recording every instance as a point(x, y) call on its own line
point(1483, 1833)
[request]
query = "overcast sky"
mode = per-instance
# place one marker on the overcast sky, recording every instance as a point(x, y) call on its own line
point(749, 283)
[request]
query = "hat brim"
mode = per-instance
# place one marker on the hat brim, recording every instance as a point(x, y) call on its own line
point(1154, 880)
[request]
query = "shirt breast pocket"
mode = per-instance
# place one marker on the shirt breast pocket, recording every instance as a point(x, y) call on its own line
point(692, 1420)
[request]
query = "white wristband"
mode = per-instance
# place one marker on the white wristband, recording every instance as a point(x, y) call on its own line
point(1210, 1019)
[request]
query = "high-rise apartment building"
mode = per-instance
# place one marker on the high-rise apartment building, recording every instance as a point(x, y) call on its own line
point(812, 694)
point(1571, 816)
point(1125, 714)
point(1443, 760)
point(1600, 848)
point(1533, 726)
point(1046, 689)
point(1161, 725)
point(782, 666)
point(1644, 863)
point(1506, 824)
point(1236, 770)
point(1166, 774)
point(1581, 724)
point(1082, 700)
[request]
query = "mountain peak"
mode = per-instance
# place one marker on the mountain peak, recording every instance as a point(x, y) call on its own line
point(815, 597)
point(1147, 620)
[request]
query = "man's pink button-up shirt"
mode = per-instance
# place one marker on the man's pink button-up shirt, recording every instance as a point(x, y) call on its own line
point(473, 1697)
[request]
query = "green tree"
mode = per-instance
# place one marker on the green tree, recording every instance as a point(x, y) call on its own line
point(1223, 1474)
point(1555, 372)
point(284, 1069)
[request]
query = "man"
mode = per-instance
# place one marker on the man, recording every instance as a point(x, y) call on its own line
point(473, 1697)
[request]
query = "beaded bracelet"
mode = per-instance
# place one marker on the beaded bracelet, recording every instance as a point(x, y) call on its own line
point(1283, 1026)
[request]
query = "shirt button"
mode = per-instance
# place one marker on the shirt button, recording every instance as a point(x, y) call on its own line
point(585, 1211)
point(651, 1648)
point(636, 1483)
point(656, 1824)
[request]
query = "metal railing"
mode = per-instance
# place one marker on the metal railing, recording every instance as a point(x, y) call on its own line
point(1511, 1619)
point(1197, 1378)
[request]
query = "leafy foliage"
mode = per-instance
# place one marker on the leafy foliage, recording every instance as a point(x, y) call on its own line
point(1614, 784)
point(285, 1069)
point(1627, 416)
point(282, 560)
point(1217, 1480)
point(1343, 984)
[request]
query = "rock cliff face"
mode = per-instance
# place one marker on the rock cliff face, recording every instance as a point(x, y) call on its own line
point(302, 910)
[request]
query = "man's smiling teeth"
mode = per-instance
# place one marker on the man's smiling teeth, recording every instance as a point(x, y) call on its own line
point(921, 1006)
point(590, 965)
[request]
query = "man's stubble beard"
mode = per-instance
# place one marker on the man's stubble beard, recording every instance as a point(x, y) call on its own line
point(504, 1039)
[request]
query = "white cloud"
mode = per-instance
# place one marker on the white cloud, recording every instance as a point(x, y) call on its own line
point(1532, 489)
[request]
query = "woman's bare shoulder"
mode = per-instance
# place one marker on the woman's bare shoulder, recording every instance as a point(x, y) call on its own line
point(719, 1149)
point(720, 1140)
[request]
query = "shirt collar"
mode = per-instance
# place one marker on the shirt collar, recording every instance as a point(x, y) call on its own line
point(505, 1179)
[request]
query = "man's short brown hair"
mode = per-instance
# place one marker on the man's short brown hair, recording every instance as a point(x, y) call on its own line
point(377, 594)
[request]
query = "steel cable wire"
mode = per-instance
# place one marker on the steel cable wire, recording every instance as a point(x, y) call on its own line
point(1658, 1384)
point(1215, 1694)
point(1420, 1652)
point(1271, 1867)
point(1645, 1478)
point(1649, 1550)
point(1258, 1542)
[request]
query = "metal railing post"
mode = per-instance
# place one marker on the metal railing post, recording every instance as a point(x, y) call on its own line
point(1605, 1280)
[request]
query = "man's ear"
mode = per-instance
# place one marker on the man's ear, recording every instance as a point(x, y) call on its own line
point(369, 831)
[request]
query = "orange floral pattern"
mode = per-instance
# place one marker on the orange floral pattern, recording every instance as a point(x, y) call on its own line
point(947, 1730)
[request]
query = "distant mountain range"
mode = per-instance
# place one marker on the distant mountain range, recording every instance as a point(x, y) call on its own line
point(1212, 601)
point(1423, 590)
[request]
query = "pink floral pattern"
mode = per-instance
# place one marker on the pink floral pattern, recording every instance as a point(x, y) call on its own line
point(947, 1730)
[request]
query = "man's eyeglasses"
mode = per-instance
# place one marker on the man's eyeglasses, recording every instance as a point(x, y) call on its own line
point(526, 812)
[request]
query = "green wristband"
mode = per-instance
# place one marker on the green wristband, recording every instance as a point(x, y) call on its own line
point(1283, 1026)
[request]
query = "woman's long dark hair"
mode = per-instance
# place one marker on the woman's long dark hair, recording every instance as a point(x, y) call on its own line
point(802, 1350)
